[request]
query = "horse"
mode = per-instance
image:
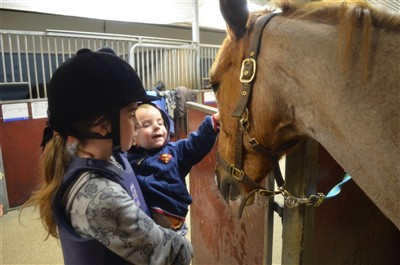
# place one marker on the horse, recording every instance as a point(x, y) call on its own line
point(322, 70)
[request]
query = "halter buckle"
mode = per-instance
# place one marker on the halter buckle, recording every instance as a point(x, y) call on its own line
point(248, 70)
point(238, 174)
point(253, 142)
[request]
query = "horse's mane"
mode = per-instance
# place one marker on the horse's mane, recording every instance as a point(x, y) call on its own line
point(347, 14)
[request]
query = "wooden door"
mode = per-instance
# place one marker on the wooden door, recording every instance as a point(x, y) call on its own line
point(218, 236)
point(20, 144)
point(347, 229)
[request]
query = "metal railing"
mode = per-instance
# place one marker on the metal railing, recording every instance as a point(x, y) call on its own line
point(174, 65)
point(31, 57)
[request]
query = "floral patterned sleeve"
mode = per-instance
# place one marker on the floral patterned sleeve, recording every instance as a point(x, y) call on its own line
point(102, 209)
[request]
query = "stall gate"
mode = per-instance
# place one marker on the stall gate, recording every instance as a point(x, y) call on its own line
point(217, 235)
point(347, 229)
point(27, 61)
point(184, 65)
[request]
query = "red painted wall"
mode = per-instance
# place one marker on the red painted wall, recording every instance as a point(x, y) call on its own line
point(218, 236)
point(20, 145)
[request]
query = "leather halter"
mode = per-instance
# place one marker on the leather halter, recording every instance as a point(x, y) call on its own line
point(247, 77)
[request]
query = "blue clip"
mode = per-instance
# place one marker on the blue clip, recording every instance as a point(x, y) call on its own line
point(338, 187)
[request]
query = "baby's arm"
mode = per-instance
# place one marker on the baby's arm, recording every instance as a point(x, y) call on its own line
point(199, 143)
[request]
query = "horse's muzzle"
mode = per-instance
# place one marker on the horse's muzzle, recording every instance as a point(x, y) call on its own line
point(229, 188)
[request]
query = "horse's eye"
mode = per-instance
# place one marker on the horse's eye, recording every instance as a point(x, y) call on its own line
point(214, 87)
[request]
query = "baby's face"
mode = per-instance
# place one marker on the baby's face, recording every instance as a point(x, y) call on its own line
point(152, 133)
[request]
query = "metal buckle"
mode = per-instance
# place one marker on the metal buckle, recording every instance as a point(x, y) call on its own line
point(238, 174)
point(248, 70)
point(253, 142)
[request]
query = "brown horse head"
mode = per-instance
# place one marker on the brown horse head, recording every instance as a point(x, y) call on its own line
point(268, 119)
point(327, 70)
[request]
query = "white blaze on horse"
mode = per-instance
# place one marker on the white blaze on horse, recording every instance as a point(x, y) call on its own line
point(325, 70)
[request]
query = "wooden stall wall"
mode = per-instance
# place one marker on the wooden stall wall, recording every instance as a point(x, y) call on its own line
point(218, 236)
point(346, 229)
point(20, 144)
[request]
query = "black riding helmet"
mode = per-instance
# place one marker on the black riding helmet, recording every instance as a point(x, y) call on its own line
point(89, 84)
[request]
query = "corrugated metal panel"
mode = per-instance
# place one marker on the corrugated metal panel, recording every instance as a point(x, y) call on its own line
point(393, 5)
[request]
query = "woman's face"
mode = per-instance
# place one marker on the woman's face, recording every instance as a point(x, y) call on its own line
point(152, 133)
point(127, 126)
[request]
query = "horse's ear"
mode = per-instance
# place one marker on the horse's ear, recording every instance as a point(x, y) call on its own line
point(235, 13)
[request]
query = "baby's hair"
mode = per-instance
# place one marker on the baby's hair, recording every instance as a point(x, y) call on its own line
point(146, 106)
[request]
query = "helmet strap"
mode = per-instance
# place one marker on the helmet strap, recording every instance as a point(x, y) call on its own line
point(115, 128)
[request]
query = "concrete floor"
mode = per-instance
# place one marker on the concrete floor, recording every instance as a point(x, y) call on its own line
point(23, 240)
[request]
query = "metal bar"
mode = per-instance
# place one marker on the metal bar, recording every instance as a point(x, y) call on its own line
point(43, 69)
point(27, 66)
point(35, 65)
point(19, 59)
point(155, 59)
point(153, 76)
point(11, 59)
point(148, 83)
point(3, 59)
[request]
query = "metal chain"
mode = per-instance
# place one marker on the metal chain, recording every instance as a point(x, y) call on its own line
point(292, 201)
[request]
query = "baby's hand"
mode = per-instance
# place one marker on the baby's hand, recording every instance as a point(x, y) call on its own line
point(216, 117)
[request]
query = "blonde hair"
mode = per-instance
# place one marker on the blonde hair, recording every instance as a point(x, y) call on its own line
point(54, 162)
point(146, 106)
point(53, 165)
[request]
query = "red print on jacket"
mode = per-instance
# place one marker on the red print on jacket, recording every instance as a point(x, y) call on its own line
point(165, 158)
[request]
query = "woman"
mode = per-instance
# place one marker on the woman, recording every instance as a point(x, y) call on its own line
point(89, 196)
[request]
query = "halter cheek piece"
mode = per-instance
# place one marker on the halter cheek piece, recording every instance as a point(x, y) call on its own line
point(247, 76)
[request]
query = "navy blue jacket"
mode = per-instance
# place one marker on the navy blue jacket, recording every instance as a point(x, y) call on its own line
point(163, 184)
point(78, 250)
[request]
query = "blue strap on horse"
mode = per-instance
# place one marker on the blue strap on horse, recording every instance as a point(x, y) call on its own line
point(338, 187)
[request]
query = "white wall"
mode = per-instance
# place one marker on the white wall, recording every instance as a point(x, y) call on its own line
point(19, 20)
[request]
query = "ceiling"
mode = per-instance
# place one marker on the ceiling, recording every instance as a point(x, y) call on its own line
point(177, 12)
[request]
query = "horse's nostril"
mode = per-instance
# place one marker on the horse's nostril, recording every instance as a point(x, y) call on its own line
point(225, 191)
point(233, 192)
